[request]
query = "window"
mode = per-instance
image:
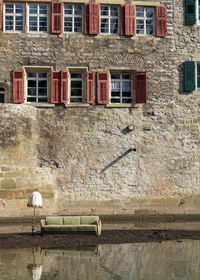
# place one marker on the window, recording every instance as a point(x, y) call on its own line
point(37, 87)
point(14, 17)
point(198, 11)
point(73, 18)
point(121, 88)
point(38, 18)
point(2, 95)
point(145, 21)
point(109, 19)
point(76, 88)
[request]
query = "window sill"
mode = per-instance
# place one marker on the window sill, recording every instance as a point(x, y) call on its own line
point(149, 38)
point(77, 105)
point(108, 36)
point(40, 105)
point(123, 105)
point(71, 35)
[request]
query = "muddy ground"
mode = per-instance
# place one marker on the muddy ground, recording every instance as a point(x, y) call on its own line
point(27, 240)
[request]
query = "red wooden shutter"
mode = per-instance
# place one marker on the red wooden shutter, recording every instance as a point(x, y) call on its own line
point(64, 86)
point(93, 18)
point(57, 8)
point(161, 21)
point(90, 87)
point(122, 20)
point(129, 20)
point(55, 87)
point(18, 86)
point(103, 87)
point(141, 91)
point(86, 18)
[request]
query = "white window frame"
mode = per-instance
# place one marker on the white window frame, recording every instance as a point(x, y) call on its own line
point(73, 16)
point(110, 17)
point(82, 81)
point(38, 15)
point(14, 15)
point(196, 76)
point(198, 12)
point(37, 79)
point(145, 19)
point(121, 83)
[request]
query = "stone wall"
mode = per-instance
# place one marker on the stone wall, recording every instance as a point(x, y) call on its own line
point(99, 159)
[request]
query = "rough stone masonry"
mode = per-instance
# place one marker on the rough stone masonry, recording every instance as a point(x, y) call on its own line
point(97, 158)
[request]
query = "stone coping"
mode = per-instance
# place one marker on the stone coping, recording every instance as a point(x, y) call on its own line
point(164, 218)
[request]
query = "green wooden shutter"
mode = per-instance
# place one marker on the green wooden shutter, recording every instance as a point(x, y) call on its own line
point(190, 12)
point(189, 74)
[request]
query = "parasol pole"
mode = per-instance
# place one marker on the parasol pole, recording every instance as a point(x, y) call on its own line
point(33, 222)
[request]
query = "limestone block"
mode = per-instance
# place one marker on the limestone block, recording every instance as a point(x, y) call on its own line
point(8, 184)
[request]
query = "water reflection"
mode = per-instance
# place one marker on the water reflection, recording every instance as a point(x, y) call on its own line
point(144, 261)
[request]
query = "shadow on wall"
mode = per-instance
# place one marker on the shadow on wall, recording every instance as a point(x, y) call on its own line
point(117, 159)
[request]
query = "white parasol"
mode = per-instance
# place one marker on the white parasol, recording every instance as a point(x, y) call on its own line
point(35, 201)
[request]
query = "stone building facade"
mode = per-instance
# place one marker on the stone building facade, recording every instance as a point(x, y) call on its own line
point(100, 106)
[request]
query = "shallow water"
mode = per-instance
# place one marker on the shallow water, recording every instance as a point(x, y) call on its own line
point(169, 260)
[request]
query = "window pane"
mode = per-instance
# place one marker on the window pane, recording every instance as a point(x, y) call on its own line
point(126, 77)
point(114, 11)
point(149, 12)
point(32, 91)
point(9, 8)
point(42, 92)
point(32, 9)
point(42, 83)
point(140, 12)
point(30, 75)
point(31, 99)
point(104, 25)
point(42, 99)
point(68, 9)
point(126, 86)
point(115, 76)
point(115, 100)
point(114, 26)
point(76, 75)
point(31, 83)
point(104, 11)
point(127, 100)
point(43, 9)
point(115, 86)
point(42, 75)
point(78, 10)
point(76, 84)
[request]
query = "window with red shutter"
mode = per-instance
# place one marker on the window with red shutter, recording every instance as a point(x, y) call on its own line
point(129, 20)
point(64, 86)
point(55, 86)
point(109, 19)
point(102, 88)
point(18, 86)
point(93, 18)
point(90, 87)
point(161, 21)
point(145, 21)
point(57, 12)
point(121, 88)
point(140, 88)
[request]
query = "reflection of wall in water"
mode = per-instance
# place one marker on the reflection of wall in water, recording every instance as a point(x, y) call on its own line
point(147, 261)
